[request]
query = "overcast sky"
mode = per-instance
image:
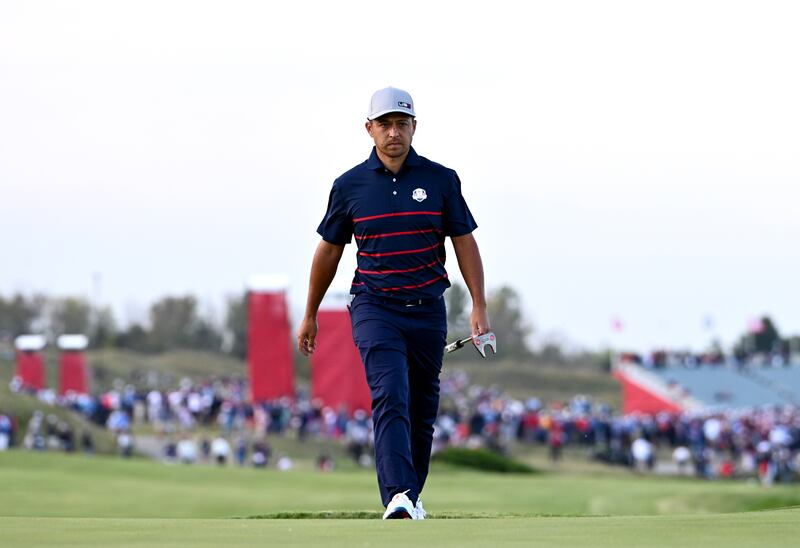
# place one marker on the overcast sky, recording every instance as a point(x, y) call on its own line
point(631, 160)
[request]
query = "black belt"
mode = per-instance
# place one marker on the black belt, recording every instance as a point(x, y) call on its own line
point(418, 302)
point(403, 302)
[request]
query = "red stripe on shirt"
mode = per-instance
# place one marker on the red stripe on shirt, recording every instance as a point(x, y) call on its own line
point(398, 271)
point(404, 233)
point(406, 252)
point(415, 286)
point(399, 214)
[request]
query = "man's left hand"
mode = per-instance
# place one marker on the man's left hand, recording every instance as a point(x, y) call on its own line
point(479, 321)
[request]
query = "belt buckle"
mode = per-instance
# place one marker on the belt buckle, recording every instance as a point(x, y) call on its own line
point(415, 302)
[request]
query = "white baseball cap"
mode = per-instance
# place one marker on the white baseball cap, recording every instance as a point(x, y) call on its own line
point(388, 100)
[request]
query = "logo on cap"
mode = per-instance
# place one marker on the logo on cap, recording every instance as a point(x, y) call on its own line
point(419, 194)
point(404, 104)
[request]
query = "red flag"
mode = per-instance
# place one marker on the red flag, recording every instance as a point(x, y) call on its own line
point(755, 325)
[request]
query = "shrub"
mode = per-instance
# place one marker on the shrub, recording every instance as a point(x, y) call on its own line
point(482, 459)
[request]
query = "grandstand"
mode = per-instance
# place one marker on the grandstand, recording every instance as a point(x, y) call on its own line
point(705, 387)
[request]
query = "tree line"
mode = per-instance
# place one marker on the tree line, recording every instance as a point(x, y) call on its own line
point(177, 322)
point(174, 322)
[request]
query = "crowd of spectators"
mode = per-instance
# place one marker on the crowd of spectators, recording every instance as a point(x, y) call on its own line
point(212, 421)
point(763, 443)
point(44, 432)
point(207, 421)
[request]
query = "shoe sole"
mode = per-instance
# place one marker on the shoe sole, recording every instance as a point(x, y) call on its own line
point(399, 514)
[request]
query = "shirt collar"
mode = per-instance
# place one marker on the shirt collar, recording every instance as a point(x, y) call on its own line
point(373, 162)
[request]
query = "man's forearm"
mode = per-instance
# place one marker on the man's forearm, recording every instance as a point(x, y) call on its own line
point(323, 270)
point(471, 265)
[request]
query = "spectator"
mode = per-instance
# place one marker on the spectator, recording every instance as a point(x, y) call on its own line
point(324, 462)
point(220, 450)
point(6, 432)
point(241, 450)
point(261, 454)
point(125, 444)
point(187, 450)
point(87, 442)
point(643, 455)
point(682, 458)
point(284, 463)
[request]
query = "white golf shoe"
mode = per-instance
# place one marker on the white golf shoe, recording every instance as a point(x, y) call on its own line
point(421, 513)
point(400, 507)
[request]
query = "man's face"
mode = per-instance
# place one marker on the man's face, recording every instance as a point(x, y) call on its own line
point(392, 133)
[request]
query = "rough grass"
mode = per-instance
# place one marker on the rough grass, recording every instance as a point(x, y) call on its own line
point(110, 364)
point(332, 514)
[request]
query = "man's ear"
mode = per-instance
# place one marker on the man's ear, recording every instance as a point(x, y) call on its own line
point(368, 127)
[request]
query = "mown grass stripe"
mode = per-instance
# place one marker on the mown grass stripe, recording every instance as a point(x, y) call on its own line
point(442, 515)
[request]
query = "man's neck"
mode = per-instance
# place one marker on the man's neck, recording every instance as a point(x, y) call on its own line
point(392, 164)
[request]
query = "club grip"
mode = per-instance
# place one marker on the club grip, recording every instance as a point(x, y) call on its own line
point(453, 346)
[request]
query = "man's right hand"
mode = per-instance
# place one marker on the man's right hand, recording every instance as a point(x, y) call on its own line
point(307, 336)
point(323, 269)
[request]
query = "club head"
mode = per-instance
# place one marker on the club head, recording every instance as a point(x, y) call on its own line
point(482, 341)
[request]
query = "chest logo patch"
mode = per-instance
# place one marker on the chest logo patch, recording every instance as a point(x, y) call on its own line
point(419, 194)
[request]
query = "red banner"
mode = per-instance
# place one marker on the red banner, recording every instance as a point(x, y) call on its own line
point(30, 369)
point(269, 346)
point(72, 372)
point(337, 374)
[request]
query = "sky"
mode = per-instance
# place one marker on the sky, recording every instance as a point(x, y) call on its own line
point(628, 163)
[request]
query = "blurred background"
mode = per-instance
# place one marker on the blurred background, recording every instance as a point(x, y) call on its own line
point(632, 167)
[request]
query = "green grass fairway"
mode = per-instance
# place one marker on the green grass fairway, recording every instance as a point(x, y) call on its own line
point(57, 485)
point(759, 529)
point(59, 500)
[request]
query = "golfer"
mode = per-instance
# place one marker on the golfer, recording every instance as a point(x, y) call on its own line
point(399, 207)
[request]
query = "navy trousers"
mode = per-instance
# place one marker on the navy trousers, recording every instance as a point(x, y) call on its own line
point(402, 349)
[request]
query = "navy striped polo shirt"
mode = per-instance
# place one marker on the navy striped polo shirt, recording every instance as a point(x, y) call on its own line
point(399, 223)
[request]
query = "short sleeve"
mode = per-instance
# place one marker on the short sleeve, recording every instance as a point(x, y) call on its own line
point(336, 227)
point(456, 216)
